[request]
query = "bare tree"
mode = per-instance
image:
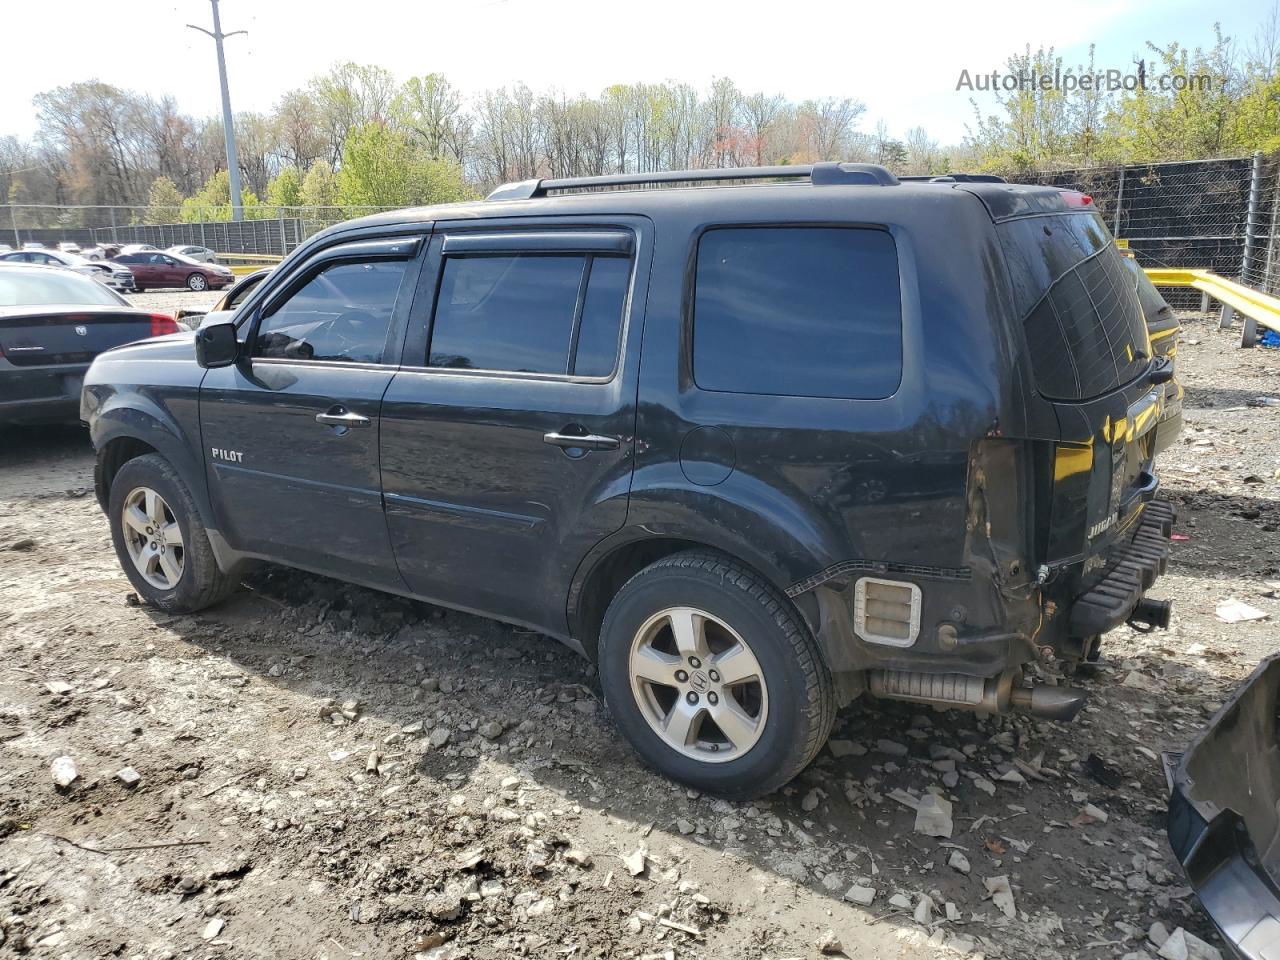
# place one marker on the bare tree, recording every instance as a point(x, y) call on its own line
point(828, 125)
point(760, 114)
point(922, 153)
point(351, 95)
point(299, 142)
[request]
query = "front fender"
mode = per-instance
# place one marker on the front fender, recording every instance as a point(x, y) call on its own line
point(162, 414)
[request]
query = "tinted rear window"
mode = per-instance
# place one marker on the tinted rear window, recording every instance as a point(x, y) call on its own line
point(798, 311)
point(1083, 322)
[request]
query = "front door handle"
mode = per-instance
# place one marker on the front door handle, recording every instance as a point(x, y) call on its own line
point(340, 416)
point(580, 441)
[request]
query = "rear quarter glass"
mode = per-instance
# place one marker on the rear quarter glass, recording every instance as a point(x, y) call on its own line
point(798, 311)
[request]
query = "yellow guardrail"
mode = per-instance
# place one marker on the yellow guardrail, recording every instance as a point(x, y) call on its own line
point(1255, 306)
point(242, 264)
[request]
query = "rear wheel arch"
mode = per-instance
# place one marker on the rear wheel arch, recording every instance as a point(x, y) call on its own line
point(605, 575)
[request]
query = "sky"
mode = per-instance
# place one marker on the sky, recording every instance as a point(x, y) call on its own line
point(902, 60)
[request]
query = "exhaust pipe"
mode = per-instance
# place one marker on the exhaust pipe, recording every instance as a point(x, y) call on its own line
point(1151, 614)
point(988, 695)
point(1051, 703)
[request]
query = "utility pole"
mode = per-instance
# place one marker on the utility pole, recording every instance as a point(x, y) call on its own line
point(228, 122)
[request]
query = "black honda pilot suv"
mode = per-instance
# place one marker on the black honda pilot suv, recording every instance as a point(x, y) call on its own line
point(755, 441)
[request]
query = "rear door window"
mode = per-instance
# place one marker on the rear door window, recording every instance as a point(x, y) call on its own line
point(798, 311)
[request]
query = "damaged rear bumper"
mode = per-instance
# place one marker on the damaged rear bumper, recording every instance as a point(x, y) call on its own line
point(1132, 567)
point(1224, 816)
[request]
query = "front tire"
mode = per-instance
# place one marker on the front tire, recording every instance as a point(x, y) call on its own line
point(197, 282)
point(160, 539)
point(712, 676)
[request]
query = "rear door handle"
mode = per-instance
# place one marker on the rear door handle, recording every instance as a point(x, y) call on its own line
point(340, 416)
point(580, 441)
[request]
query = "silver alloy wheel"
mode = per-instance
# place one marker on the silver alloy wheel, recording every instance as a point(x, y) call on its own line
point(698, 685)
point(197, 282)
point(153, 538)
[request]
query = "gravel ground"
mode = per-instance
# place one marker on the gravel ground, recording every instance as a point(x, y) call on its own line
point(327, 772)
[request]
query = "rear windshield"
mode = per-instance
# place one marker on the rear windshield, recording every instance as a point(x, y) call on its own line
point(20, 288)
point(1083, 321)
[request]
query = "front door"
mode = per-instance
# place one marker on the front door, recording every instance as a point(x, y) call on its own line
point(291, 432)
point(172, 272)
point(507, 434)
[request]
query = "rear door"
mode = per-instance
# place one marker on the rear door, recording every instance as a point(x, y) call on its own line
point(291, 432)
point(139, 264)
point(507, 435)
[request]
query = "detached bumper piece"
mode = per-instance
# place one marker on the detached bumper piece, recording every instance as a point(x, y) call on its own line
point(1132, 568)
point(1224, 817)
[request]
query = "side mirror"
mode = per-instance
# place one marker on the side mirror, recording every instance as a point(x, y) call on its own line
point(216, 345)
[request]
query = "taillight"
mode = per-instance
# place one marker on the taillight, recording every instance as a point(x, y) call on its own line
point(162, 323)
point(1074, 198)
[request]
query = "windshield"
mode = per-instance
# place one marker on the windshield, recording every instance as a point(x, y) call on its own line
point(21, 288)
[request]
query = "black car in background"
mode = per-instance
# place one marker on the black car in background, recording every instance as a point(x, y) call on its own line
point(756, 450)
point(53, 322)
point(1163, 328)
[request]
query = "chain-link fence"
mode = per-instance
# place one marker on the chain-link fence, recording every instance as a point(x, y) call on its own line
point(267, 231)
point(1219, 215)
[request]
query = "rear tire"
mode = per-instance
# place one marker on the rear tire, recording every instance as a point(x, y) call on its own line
point(770, 703)
point(160, 539)
point(197, 282)
point(139, 288)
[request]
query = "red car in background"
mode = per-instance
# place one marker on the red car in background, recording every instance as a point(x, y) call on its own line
point(152, 268)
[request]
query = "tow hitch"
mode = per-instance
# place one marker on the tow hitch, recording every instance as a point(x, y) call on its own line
point(1151, 615)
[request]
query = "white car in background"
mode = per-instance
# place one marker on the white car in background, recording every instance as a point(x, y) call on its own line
point(69, 246)
point(203, 254)
point(115, 275)
point(139, 248)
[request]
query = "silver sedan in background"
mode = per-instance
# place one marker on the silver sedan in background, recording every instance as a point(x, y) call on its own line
point(203, 254)
point(115, 275)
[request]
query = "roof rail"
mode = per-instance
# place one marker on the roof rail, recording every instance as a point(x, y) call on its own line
point(819, 174)
point(957, 178)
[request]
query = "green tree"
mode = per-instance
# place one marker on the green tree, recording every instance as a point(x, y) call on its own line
point(319, 187)
point(213, 202)
point(286, 189)
point(381, 168)
point(1194, 122)
point(164, 202)
point(430, 109)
